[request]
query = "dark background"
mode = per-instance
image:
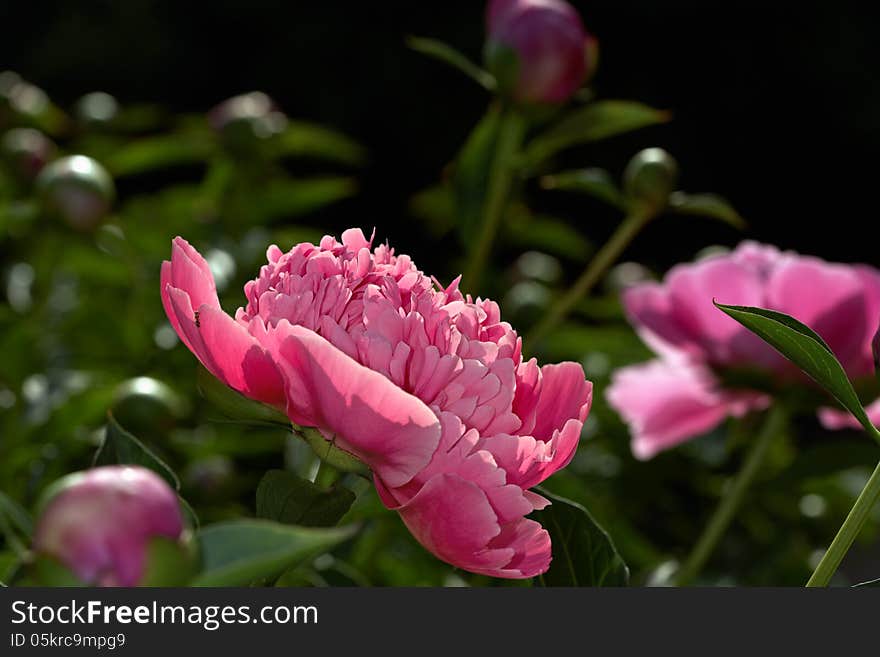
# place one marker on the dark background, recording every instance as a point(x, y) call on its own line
point(776, 105)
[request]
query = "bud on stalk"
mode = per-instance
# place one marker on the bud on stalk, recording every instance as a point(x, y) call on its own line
point(538, 50)
point(99, 523)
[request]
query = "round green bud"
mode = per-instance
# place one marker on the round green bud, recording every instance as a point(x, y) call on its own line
point(650, 177)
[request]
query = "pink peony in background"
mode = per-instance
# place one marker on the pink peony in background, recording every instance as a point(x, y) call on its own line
point(680, 396)
point(425, 385)
point(99, 523)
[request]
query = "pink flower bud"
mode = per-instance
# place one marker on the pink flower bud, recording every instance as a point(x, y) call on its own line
point(99, 523)
point(538, 50)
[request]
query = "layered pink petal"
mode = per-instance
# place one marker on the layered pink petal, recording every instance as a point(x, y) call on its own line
point(666, 404)
point(227, 350)
point(692, 290)
point(394, 432)
point(425, 385)
point(453, 518)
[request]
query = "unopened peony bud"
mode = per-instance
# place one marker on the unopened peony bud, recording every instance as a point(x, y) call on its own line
point(537, 50)
point(650, 177)
point(27, 151)
point(99, 523)
point(97, 107)
point(241, 119)
point(78, 189)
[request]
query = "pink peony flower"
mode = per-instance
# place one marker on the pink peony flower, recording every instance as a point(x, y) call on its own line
point(425, 385)
point(680, 396)
point(99, 523)
point(538, 49)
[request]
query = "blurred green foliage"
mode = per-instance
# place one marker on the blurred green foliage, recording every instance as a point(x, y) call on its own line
point(82, 332)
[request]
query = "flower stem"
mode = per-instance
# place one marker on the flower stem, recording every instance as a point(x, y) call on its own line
point(510, 137)
point(635, 220)
point(848, 531)
point(730, 502)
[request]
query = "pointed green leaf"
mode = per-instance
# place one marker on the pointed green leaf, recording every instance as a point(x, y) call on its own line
point(238, 552)
point(706, 205)
point(120, 447)
point(152, 153)
point(806, 349)
point(302, 139)
point(286, 498)
point(593, 182)
point(583, 552)
point(598, 120)
point(449, 55)
point(281, 199)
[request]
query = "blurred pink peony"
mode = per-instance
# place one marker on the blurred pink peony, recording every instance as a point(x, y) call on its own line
point(426, 386)
point(538, 49)
point(99, 523)
point(680, 396)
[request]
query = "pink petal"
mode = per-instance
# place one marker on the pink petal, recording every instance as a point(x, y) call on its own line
point(836, 419)
point(392, 431)
point(650, 311)
point(227, 350)
point(190, 272)
point(532, 549)
point(453, 519)
point(666, 404)
point(528, 461)
point(565, 394)
point(691, 291)
point(829, 298)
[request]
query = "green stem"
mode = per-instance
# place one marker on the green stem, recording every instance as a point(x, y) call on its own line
point(637, 218)
point(510, 137)
point(724, 514)
point(855, 520)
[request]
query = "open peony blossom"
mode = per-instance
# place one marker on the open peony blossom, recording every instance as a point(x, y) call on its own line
point(425, 385)
point(680, 395)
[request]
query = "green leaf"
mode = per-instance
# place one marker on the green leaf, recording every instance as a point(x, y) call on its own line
point(448, 55)
point(598, 120)
point(593, 182)
point(281, 199)
point(303, 139)
point(237, 406)
point(546, 234)
point(286, 498)
point(46, 571)
point(706, 205)
point(806, 349)
point(237, 552)
point(169, 563)
point(583, 552)
point(120, 447)
point(470, 174)
point(151, 153)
